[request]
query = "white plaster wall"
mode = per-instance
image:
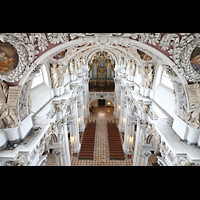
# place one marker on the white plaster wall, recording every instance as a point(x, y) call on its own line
point(165, 98)
point(40, 95)
point(66, 76)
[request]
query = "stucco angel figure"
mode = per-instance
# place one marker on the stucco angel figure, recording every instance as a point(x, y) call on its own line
point(132, 67)
point(54, 127)
point(8, 115)
point(3, 92)
point(20, 161)
point(148, 73)
point(192, 118)
point(184, 162)
point(72, 67)
point(162, 148)
point(145, 109)
point(151, 129)
point(54, 76)
point(59, 107)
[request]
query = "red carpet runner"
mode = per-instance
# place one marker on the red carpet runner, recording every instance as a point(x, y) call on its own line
point(116, 151)
point(87, 146)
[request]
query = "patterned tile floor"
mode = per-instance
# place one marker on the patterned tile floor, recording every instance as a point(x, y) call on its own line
point(101, 152)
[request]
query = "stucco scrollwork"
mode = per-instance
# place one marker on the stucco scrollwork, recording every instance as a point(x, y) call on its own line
point(26, 53)
point(181, 100)
point(29, 45)
point(185, 63)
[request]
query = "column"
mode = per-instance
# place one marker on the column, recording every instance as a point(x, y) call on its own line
point(145, 110)
point(117, 98)
point(59, 116)
point(66, 142)
point(129, 136)
point(86, 98)
point(136, 150)
point(62, 144)
point(74, 128)
point(139, 158)
point(122, 117)
point(74, 134)
point(80, 112)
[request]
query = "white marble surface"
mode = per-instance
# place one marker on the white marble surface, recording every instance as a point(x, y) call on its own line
point(173, 141)
point(66, 95)
point(33, 140)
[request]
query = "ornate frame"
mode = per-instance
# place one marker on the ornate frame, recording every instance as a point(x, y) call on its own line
point(29, 45)
point(184, 61)
point(25, 54)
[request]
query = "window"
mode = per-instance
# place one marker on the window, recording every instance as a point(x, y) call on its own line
point(165, 80)
point(38, 79)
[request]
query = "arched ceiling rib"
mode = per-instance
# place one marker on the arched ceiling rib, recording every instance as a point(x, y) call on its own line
point(167, 48)
point(114, 50)
point(116, 45)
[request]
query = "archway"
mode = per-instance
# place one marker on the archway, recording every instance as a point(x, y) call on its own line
point(101, 107)
point(85, 47)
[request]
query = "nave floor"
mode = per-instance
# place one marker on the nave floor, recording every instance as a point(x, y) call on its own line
point(101, 152)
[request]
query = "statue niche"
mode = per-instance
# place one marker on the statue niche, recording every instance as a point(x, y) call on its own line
point(56, 73)
point(8, 58)
point(148, 73)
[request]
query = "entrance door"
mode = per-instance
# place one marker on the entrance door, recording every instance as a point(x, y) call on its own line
point(101, 102)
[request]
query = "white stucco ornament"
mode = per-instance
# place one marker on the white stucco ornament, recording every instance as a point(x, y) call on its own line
point(28, 47)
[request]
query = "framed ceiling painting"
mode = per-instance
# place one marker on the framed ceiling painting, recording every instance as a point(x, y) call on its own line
point(195, 59)
point(15, 57)
point(8, 58)
point(189, 61)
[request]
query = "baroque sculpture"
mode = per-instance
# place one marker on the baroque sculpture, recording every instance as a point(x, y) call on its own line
point(148, 73)
point(132, 67)
point(193, 117)
point(72, 67)
point(8, 114)
point(31, 45)
point(56, 75)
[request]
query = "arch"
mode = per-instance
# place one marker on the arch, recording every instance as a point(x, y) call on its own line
point(156, 54)
point(89, 45)
point(94, 99)
point(90, 54)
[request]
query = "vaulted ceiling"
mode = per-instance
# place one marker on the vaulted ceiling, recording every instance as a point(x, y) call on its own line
point(173, 49)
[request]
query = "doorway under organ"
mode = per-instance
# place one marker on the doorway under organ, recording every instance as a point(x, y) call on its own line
point(101, 103)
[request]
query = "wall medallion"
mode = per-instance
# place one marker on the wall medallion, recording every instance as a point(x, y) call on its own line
point(195, 59)
point(8, 58)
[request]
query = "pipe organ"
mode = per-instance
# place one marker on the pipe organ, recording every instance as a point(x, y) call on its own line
point(101, 72)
